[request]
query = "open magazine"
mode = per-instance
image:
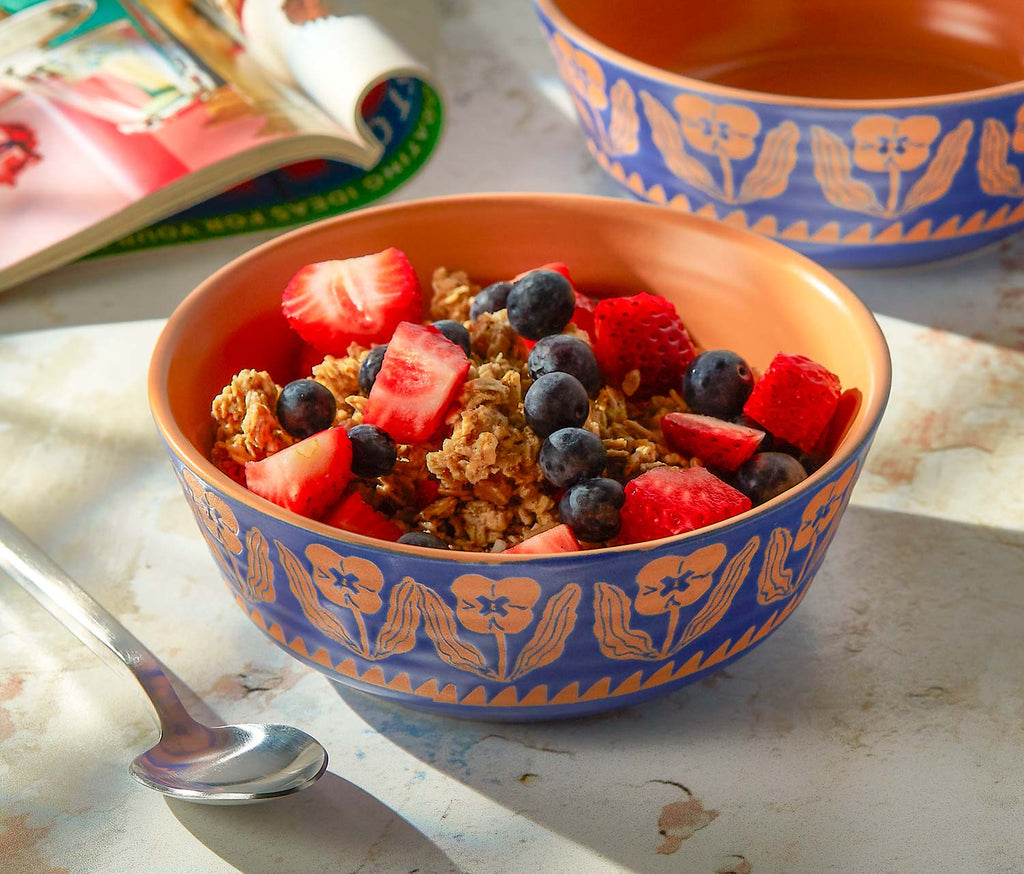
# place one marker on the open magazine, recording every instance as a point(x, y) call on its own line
point(132, 123)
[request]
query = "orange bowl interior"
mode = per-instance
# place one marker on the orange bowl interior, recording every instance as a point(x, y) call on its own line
point(831, 49)
point(733, 289)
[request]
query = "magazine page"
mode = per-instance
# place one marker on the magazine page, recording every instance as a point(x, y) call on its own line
point(109, 120)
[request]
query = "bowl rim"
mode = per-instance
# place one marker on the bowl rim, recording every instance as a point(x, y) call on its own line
point(174, 332)
point(550, 9)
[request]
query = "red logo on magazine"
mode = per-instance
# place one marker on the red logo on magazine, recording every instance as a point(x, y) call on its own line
point(17, 151)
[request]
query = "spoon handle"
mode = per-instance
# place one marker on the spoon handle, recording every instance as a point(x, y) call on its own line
point(45, 581)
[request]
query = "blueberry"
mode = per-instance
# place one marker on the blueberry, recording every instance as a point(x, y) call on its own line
point(541, 303)
point(771, 443)
point(373, 451)
point(422, 538)
point(305, 407)
point(556, 400)
point(571, 455)
point(561, 353)
point(767, 474)
point(591, 508)
point(370, 367)
point(717, 383)
point(490, 299)
point(454, 331)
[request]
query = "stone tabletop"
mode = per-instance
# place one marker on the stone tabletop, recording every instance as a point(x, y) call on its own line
point(881, 729)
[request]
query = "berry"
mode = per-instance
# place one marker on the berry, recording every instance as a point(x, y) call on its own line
point(557, 266)
point(456, 332)
point(306, 477)
point(715, 442)
point(644, 333)
point(583, 314)
point(842, 419)
point(373, 451)
point(557, 539)
point(305, 407)
point(331, 304)
point(540, 303)
point(422, 538)
point(354, 514)
point(370, 367)
point(670, 500)
point(563, 353)
point(717, 383)
point(421, 375)
point(555, 400)
point(795, 400)
point(490, 299)
point(767, 474)
point(591, 508)
point(571, 455)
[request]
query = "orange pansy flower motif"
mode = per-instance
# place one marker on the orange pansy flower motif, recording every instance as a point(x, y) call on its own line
point(728, 131)
point(883, 144)
point(821, 510)
point(350, 582)
point(671, 582)
point(215, 514)
point(495, 606)
point(1018, 131)
point(581, 71)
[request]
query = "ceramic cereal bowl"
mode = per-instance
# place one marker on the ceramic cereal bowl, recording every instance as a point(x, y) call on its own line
point(872, 134)
point(521, 637)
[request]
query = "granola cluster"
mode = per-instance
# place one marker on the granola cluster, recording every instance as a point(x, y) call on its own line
point(480, 488)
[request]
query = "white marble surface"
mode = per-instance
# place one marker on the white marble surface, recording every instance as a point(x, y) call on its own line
point(880, 730)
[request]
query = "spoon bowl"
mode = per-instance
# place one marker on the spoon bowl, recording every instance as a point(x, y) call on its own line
point(232, 764)
point(225, 764)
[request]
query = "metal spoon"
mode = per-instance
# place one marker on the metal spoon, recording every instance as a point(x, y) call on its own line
point(228, 764)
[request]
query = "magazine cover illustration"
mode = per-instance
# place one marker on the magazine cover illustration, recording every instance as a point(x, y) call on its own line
point(115, 115)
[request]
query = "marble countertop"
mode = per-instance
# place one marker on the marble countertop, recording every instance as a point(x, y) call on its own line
point(881, 729)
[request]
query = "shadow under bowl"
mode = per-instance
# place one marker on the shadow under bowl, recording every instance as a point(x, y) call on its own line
point(881, 133)
point(511, 637)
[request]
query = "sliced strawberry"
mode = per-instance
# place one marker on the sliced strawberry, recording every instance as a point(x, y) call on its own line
point(715, 442)
point(846, 410)
point(426, 491)
point(795, 400)
point(644, 333)
point(354, 514)
point(557, 266)
point(306, 477)
point(420, 376)
point(331, 304)
point(583, 315)
point(309, 357)
point(557, 539)
point(671, 500)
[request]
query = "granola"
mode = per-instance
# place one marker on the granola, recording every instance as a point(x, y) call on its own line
point(479, 488)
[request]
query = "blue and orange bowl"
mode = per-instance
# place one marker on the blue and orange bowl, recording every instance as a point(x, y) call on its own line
point(873, 134)
point(533, 637)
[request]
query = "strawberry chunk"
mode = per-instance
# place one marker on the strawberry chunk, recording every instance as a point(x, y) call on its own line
point(420, 376)
point(715, 442)
point(644, 333)
point(331, 304)
point(794, 400)
point(557, 266)
point(354, 514)
point(557, 539)
point(671, 500)
point(306, 477)
point(583, 315)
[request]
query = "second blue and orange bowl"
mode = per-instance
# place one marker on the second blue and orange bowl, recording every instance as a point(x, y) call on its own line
point(864, 135)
